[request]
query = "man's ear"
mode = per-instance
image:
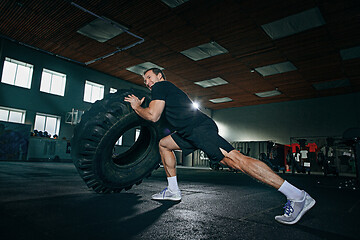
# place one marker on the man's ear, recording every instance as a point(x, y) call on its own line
point(160, 77)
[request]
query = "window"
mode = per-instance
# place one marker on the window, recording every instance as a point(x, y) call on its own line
point(12, 115)
point(53, 82)
point(93, 92)
point(17, 73)
point(48, 123)
point(113, 90)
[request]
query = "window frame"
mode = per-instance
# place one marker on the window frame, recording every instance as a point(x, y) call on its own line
point(58, 123)
point(53, 73)
point(15, 80)
point(92, 85)
point(23, 112)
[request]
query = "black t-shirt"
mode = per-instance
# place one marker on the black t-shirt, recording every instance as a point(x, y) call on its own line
point(179, 110)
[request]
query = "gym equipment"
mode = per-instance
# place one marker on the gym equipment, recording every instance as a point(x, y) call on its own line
point(96, 135)
point(352, 135)
point(327, 158)
point(274, 157)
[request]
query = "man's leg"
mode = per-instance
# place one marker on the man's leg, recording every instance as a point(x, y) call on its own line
point(253, 167)
point(299, 202)
point(166, 147)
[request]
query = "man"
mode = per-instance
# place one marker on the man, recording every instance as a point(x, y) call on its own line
point(195, 130)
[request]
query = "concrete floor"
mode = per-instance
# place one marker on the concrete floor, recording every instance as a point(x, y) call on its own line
point(50, 201)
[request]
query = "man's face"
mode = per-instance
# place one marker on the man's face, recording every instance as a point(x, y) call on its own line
point(150, 78)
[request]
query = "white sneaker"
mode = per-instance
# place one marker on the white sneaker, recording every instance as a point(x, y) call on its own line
point(166, 194)
point(294, 210)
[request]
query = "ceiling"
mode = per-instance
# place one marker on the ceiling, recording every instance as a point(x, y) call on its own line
point(235, 25)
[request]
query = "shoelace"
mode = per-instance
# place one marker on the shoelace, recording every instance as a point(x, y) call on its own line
point(288, 208)
point(164, 191)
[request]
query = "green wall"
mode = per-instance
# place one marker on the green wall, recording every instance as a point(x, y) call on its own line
point(316, 117)
point(33, 101)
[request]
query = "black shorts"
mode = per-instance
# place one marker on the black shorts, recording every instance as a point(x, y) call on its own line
point(206, 138)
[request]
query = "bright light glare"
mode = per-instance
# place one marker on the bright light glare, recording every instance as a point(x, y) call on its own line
point(196, 105)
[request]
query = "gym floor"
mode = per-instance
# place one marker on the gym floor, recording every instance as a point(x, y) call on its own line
point(50, 201)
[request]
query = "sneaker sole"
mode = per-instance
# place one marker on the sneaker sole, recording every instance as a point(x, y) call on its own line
point(167, 199)
point(306, 208)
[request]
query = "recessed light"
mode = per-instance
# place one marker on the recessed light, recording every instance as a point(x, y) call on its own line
point(268, 93)
point(141, 68)
point(294, 24)
point(211, 82)
point(101, 30)
point(204, 51)
point(221, 100)
point(174, 3)
point(276, 68)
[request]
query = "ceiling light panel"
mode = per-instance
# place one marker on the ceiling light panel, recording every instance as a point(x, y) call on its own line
point(211, 82)
point(293, 24)
point(221, 100)
point(101, 30)
point(268, 94)
point(141, 68)
point(350, 53)
point(204, 51)
point(174, 3)
point(332, 84)
point(276, 68)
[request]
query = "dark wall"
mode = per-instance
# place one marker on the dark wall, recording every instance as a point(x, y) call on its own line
point(326, 116)
point(33, 101)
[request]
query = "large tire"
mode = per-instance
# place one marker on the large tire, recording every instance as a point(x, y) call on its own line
point(95, 137)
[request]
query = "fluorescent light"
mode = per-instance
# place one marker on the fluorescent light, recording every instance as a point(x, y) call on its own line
point(350, 53)
point(211, 82)
point(101, 30)
point(276, 68)
point(174, 3)
point(293, 24)
point(141, 68)
point(332, 84)
point(204, 51)
point(220, 100)
point(268, 93)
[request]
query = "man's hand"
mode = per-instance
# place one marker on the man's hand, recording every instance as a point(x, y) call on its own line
point(151, 113)
point(134, 101)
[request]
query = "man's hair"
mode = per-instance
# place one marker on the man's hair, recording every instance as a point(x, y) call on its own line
point(156, 71)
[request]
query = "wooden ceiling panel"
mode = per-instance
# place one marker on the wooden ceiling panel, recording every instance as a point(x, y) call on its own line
point(264, 12)
point(321, 70)
point(236, 25)
point(351, 68)
point(248, 42)
point(183, 38)
point(255, 85)
point(229, 90)
point(135, 14)
point(217, 18)
point(306, 45)
point(263, 58)
point(191, 72)
point(171, 60)
point(288, 78)
point(223, 65)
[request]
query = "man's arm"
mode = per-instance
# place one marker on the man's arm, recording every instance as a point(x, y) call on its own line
point(151, 113)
